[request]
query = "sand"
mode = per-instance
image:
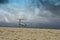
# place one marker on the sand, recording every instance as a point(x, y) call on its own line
point(29, 34)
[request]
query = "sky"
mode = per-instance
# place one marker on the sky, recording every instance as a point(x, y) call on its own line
point(36, 13)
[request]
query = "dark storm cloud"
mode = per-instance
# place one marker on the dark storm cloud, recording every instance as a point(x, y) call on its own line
point(54, 9)
point(50, 5)
point(50, 9)
point(3, 1)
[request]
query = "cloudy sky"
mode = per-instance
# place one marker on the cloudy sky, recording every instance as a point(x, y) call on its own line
point(36, 13)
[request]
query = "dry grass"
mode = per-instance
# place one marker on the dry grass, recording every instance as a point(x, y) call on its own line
point(28, 34)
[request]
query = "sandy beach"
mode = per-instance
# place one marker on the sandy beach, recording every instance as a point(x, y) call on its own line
point(29, 34)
